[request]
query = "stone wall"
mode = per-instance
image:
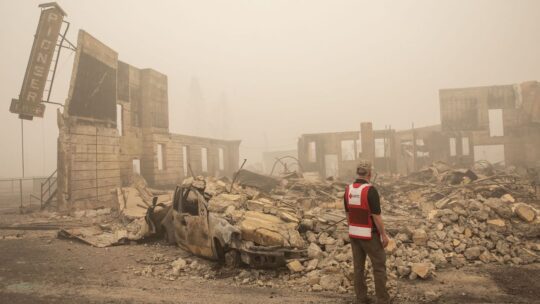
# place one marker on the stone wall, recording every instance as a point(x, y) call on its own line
point(117, 115)
point(89, 168)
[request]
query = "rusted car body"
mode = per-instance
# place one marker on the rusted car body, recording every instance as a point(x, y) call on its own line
point(189, 223)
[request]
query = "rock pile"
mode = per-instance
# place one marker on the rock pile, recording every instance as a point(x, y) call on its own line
point(461, 218)
point(436, 218)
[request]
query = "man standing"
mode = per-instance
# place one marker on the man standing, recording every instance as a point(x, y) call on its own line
point(366, 232)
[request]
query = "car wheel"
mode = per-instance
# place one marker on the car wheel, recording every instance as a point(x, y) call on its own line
point(168, 236)
point(232, 259)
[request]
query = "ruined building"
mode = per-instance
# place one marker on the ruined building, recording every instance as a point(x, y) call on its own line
point(500, 124)
point(335, 154)
point(116, 122)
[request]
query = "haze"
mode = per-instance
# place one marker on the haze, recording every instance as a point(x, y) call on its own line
point(282, 67)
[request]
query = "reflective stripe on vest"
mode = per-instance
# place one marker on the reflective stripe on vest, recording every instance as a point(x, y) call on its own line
point(360, 223)
point(360, 232)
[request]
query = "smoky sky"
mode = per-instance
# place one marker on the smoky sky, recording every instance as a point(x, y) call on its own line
point(284, 68)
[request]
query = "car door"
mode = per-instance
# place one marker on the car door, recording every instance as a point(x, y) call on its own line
point(191, 223)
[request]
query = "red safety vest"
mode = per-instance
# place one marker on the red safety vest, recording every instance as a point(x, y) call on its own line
point(360, 222)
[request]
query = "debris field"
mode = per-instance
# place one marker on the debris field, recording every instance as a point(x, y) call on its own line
point(439, 219)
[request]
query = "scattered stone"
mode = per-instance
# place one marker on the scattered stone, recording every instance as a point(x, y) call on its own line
point(312, 265)
point(306, 225)
point(497, 224)
point(421, 269)
point(472, 253)
point(441, 235)
point(501, 208)
point(486, 257)
point(420, 237)
point(295, 266)
point(461, 248)
point(525, 212)
point(403, 270)
point(440, 226)
point(330, 282)
point(431, 296)
point(325, 239)
point(507, 198)
point(314, 251)
point(432, 245)
point(178, 265)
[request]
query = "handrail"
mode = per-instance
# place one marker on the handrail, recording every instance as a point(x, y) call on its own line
point(50, 176)
point(49, 184)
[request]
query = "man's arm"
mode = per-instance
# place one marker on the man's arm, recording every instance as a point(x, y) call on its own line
point(345, 200)
point(375, 207)
point(377, 218)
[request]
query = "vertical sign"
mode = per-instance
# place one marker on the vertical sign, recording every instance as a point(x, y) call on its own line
point(39, 64)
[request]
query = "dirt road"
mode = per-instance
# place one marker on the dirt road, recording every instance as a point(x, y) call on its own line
point(37, 267)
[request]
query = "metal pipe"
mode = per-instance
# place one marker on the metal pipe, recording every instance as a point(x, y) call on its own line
point(236, 174)
point(56, 62)
point(22, 147)
point(21, 195)
point(41, 197)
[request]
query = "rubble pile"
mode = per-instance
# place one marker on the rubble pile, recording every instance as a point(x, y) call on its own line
point(461, 217)
point(123, 225)
point(437, 218)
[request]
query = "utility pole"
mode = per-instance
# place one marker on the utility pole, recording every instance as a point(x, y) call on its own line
point(414, 148)
point(22, 146)
point(22, 164)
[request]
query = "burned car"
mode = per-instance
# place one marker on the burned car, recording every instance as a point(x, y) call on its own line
point(230, 228)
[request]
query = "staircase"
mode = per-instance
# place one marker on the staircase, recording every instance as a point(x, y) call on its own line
point(49, 188)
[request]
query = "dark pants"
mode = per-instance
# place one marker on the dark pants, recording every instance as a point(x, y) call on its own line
point(374, 250)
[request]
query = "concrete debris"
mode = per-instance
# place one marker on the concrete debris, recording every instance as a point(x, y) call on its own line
point(127, 222)
point(525, 213)
point(437, 218)
point(259, 181)
point(314, 251)
point(295, 266)
point(178, 265)
point(421, 269)
point(420, 237)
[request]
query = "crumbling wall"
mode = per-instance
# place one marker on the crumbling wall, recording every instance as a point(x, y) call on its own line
point(336, 154)
point(115, 117)
point(88, 143)
point(175, 168)
point(131, 140)
point(465, 115)
point(428, 143)
point(89, 170)
point(467, 108)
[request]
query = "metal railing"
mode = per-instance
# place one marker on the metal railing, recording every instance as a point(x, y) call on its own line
point(48, 189)
point(21, 192)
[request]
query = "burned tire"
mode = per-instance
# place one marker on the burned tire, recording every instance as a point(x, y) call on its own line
point(168, 236)
point(220, 251)
point(232, 259)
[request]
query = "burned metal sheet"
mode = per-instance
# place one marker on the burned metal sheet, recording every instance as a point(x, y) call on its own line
point(252, 179)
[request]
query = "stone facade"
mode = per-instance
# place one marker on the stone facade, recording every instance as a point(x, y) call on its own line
point(116, 122)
